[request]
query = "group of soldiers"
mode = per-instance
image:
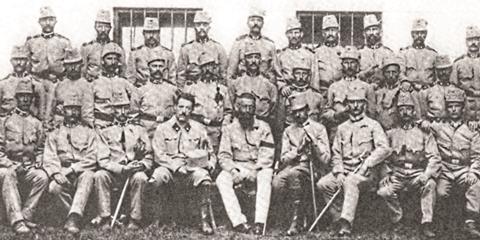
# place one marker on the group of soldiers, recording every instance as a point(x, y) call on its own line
point(275, 124)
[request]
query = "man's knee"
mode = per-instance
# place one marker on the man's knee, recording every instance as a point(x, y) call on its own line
point(55, 188)
point(443, 191)
point(40, 177)
point(385, 192)
point(224, 179)
point(101, 176)
point(326, 182)
point(7, 173)
point(161, 176)
point(430, 186)
point(139, 178)
point(265, 175)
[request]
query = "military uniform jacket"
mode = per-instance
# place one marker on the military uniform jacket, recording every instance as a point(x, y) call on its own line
point(252, 146)
point(371, 56)
point(47, 52)
point(466, 73)
point(71, 147)
point(121, 141)
point(237, 54)
point(433, 101)
point(413, 150)
point(92, 53)
point(459, 147)
point(419, 63)
point(191, 51)
point(315, 101)
point(157, 99)
point(359, 141)
point(264, 91)
point(138, 60)
point(288, 57)
point(21, 135)
point(65, 88)
point(7, 95)
point(294, 135)
point(171, 140)
point(329, 66)
point(103, 89)
point(205, 104)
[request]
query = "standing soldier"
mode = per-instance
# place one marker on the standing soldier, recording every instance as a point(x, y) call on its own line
point(130, 156)
point(108, 83)
point(303, 141)
point(236, 60)
point(466, 74)
point(433, 98)
point(374, 52)
point(246, 157)
point(73, 82)
point(184, 153)
point(47, 52)
point(360, 145)
point(156, 100)
point(419, 59)
point(414, 165)
point(91, 51)
point(327, 55)
point(253, 82)
point(459, 148)
point(191, 51)
point(70, 159)
point(20, 63)
point(137, 67)
point(21, 140)
point(212, 101)
point(337, 108)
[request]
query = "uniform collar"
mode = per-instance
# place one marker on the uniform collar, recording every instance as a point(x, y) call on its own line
point(103, 42)
point(443, 84)
point(349, 79)
point(408, 126)
point(21, 113)
point(21, 75)
point(255, 37)
point(375, 46)
point(455, 125)
point(204, 40)
point(331, 44)
point(176, 126)
point(109, 75)
point(419, 46)
point(153, 46)
point(294, 47)
point(156, 81)
point(473, 55)
point(47, 35)
point(356, 118)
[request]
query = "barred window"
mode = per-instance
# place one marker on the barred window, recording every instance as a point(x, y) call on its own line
point(176, 26)
point(351, 26)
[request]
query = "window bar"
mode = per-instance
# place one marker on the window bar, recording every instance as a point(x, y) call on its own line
point(172, 30)
point(313, 29)
point(159, 26)
point(339, 16)
point(185, 19)
point(351, 29)
point(131, 28)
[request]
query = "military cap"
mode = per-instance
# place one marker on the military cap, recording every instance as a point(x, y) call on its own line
point(156, 55)
point(252, 48)
point(72, 56)
point(256, 12)
point(301, 63)
point(111, 47)
point(24, 87)
point(197, 158)
point(297, 102)
point(103, 16)
point(405, 99)
point(205, 58)
point(19, 52)
point(356, 92)
point(370, 20)
point(119, 99)
point(473, 32)
point(151, 24)
point(350, 52)
point(202, 16)
point(442, 61)
point(392, 60)
point(293, 23)
point(329, 21)
point(73, 99)
point(419, 24)
point(455, 95)
point(46, 12)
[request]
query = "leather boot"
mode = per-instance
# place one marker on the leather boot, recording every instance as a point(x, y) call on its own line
point(345, 228)
point(21, 228)
point(472, 230)
point(71, 225)
point(204, 209)
point(427, 230)
point(296, 225)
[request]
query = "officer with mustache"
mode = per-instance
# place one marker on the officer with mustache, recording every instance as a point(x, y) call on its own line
point(419, 58)
point(466, 75)
point(91, 51)
point(326, 54)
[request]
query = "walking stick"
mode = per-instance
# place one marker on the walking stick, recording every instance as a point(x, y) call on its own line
point(312, 177)
point(120, 201)
point(212, 217)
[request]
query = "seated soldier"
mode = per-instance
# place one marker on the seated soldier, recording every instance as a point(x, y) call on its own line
point(184, 154)
point(70, 158)
point(21, 144)
point(246, 156)
point(130, 156)
point(304, 141)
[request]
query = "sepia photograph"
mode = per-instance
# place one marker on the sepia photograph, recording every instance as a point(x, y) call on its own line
point(240, 119)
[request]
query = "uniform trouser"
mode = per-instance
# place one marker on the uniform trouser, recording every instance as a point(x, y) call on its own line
point(291, 178)
point(81, 189)
point(104, 182)
point(37, 179)
point(49, 88)
point(391, 186)
point(352, 186)
point(472, 192)
point(226, 183)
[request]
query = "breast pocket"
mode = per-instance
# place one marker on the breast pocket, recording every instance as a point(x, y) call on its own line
point(171, 144)
point(364, 140)
point(465, 73)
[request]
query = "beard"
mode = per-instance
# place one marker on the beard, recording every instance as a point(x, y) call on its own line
point(74, 75)
point(103, 36)
point(373, 39)
point(246, 119)
point(152, 42)
point(111, 68)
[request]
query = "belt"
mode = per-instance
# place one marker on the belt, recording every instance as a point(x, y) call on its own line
point(101, 100)
point(103, 116)
point(148, 117)
point(408, 165)
point(435, 119)
point(456, 162)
